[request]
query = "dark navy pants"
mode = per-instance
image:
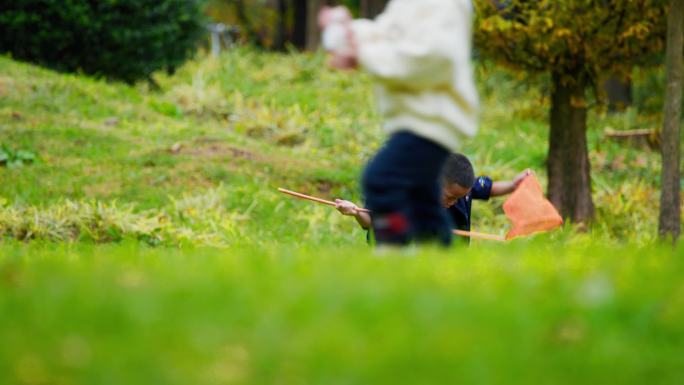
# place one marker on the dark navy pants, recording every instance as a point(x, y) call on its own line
point(402, 188)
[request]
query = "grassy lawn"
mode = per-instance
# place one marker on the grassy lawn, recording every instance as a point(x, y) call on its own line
point(521, 313)
point(147, 243)
point(221, 135)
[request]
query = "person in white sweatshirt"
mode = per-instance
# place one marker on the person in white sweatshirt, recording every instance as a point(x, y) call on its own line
point(418, 54)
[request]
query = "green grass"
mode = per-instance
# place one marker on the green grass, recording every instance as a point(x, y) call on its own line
point(514, 314)
point(249, 122)
point(147, 243)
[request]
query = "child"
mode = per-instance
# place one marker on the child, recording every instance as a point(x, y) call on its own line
point(456, 197)
point(418, 53)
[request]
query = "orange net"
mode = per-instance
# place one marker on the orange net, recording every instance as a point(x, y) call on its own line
point(529, 211)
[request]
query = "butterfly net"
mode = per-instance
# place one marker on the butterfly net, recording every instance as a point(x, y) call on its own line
point(529, 211)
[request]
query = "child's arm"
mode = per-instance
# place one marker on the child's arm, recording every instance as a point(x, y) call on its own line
point(338, 37)
point(411, 45)
point(416, 44)
point(507, 187)
point(349, 208)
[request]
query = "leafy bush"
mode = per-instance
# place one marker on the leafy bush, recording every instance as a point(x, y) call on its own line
point(122, 39)
point(67, 221)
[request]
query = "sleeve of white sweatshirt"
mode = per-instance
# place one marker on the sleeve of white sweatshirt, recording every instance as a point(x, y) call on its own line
point(415, 43)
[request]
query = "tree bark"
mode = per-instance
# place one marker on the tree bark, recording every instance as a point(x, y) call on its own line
point(312, 30)
point(372, 8)
point(669, 221)
point(619, 92)
point(281, 28)
point(568, 160)
point(300, 24)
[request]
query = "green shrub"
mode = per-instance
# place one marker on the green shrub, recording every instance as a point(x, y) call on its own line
point(69, 221)
point(120, 39)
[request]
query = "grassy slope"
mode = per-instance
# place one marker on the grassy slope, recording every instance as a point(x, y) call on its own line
point(236, 131)
point(112, 141)
point(250, 122)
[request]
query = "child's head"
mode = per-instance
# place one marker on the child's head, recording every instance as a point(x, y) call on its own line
point(457, 178)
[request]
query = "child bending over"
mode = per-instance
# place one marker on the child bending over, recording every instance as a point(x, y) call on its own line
point(459, 188)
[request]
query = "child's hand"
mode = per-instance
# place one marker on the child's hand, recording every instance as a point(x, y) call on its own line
point(346, 207)
point(343, 61)
point(519, 178)
point(337, 37)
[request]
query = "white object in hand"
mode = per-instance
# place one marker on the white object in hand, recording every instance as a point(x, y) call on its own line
point(335, 38)
point(335, 21)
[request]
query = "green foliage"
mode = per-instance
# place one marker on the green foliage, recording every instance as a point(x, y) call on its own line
point(648, 91)
point(571, 37)
point(123, 39)
point(577, 43)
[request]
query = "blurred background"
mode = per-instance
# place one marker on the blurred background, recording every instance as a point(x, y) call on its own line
point(175, 99)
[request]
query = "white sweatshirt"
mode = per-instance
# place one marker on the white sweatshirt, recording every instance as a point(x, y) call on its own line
point(418, 51)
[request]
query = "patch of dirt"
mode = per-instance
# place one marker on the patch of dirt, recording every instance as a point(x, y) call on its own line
point(280, 169)
point(212, 150)
point(240, 153)
point(102, 189)
point(112, 121)
point(324, 186)
point(187, 174)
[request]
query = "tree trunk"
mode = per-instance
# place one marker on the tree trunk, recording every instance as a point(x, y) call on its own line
point(619, 92)
point(568, 160)
point(281, 28)
point(299, 32)
point(669, 222)
point(372, 8)
point(312, 30)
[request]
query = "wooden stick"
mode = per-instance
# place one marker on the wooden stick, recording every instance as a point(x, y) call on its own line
point(462, 233)
point(473, 234)
point(319, 200)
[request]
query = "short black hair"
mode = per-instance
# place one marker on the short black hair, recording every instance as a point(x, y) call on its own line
point(458, 169)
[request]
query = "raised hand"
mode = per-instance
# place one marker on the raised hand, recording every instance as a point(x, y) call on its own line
point(519, 178)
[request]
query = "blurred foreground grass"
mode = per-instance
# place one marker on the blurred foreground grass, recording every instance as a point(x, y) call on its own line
point(521, 313)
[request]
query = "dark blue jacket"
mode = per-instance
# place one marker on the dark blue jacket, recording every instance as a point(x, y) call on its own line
point(460, 211)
